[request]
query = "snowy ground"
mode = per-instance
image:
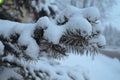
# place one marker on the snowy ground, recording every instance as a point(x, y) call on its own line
point(99, 68)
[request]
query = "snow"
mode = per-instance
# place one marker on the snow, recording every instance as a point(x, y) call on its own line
point(5, 30)
point(97, 28)
point(25, 31)
point(78, 22)
point(45, 8)
point(1, 48)
point(8, 73)
point(43, 22)
point(100, 40)
point(52, 32)
point(25, 39)
point(9, 27)
point(99, 68)
point(109, 10)
point(82, 19)
point(68, 12)
point(91, 13)
point(51, 67)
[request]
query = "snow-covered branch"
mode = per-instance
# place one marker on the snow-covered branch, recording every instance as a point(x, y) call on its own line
point(31, 47)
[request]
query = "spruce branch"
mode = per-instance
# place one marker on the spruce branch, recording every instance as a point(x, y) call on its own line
point(60, 22)
point(15, 50)
point(54, 50)
point(38, 34)
point(13, 37)
point(3, 39)
point(74, 41)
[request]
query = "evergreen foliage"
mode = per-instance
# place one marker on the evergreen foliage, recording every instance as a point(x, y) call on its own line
point(22, 50)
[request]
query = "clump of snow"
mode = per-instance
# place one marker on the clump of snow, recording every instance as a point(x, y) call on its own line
point(78, 22)
point(21, 27)
point(99, 40)
point(1, 48)
point(52, 32)
point(10, 27)
point(67, 13)
point(43, 22)
point(97, 28)
point(92, 14)
point(32, 47)
point(26, 39)
point(6, 27)
point(25, 31)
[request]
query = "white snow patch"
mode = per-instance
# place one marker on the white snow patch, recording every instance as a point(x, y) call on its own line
point(54, 33)
point(52, 68)
point(78, 22)
point(43, 22)
point(99, 68)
